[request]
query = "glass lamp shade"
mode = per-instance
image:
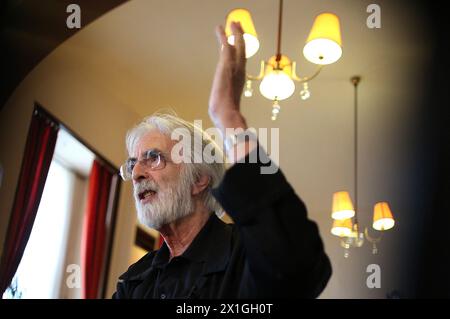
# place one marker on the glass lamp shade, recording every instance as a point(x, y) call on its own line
point(250, 36)
point(277, 83)
point(324, 44)
point(342, 228)
point(342, 206)
point(382, 217)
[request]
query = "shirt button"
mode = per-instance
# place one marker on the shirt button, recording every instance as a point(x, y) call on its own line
point(163, 296)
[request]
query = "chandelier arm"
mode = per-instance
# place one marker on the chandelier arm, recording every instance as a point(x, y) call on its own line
point(371, 239)
point(295, 77)
point(260, 75)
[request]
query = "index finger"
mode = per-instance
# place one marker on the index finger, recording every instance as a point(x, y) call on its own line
point(220, 34)
point(239, 42)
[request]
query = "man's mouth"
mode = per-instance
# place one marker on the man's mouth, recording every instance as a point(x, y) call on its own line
point(147, 195)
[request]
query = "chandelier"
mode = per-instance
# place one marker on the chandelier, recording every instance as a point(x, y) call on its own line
point(277, 74)
point(345, 214)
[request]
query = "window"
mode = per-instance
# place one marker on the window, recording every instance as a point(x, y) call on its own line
point(62, 226)
point(54, 242)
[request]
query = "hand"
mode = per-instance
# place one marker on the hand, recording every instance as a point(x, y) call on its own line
point(228, 83)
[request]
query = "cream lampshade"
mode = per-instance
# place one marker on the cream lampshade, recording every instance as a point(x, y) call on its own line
point(250, 37)
point(342, 206)
point(342, 228)
point(382, 217)
point(277, 83)
point(324, 44)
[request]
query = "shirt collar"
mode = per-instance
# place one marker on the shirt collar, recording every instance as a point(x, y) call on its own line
point(212, 246)
point(161, 256)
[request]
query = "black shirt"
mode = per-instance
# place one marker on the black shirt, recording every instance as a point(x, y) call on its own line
point(272, 250)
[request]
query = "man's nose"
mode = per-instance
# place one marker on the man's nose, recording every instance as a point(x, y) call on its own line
point(139, 172)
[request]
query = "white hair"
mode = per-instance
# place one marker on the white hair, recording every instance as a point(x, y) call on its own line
point(168, 123)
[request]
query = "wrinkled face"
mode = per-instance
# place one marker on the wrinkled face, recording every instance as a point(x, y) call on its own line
point(162, 194)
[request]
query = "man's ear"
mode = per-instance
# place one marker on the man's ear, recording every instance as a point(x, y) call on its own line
point(201, 183)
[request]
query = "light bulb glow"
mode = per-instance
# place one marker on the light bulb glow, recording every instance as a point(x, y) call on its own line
point(341, 231)
point(342, 228)
point(277, 85)
point(322, 51)
point(383, 224)
point(251, 44)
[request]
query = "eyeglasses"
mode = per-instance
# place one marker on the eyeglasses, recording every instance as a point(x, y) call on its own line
point(152, 159)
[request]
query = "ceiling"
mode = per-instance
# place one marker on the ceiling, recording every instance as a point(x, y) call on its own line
point(30, 30)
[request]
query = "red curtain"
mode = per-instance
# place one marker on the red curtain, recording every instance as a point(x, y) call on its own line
point(37, 157)
point(94, 230)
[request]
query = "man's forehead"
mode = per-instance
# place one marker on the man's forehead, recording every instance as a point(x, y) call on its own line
point(153, 140)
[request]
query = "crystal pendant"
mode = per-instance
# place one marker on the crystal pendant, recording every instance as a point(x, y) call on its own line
point(354, 240)
point(374, 249)
point(305, 93)
point(346, 250)
point(248, 91)
point(275, 110)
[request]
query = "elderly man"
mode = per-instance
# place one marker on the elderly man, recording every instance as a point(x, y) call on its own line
point(271, 250)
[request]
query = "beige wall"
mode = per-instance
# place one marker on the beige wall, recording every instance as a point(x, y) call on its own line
point(63, 84)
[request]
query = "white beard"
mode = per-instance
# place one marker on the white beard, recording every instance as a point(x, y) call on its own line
point(172, 202)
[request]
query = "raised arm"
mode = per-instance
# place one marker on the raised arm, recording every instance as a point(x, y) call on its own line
point(226, 91)
point(285, 254)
